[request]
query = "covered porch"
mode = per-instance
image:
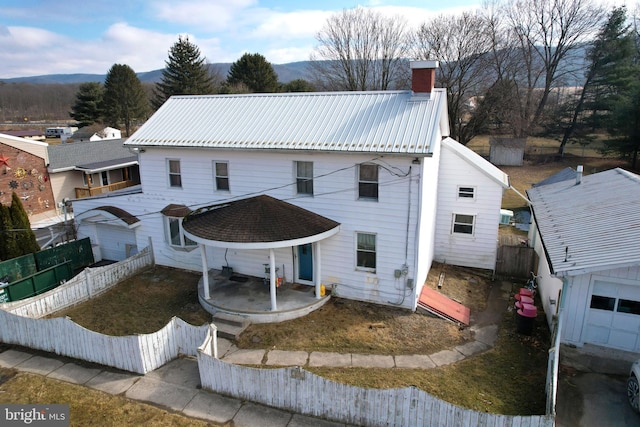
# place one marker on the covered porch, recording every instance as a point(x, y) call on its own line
point(266, 224)
point(250, 297)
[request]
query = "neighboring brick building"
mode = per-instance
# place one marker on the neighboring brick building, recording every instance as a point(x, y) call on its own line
point(23, 169)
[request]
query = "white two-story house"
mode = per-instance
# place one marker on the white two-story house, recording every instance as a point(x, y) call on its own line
point(356, 191)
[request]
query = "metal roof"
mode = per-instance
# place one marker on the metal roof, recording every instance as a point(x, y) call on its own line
point(86, 154)
point(591, 226)
point(376, 121)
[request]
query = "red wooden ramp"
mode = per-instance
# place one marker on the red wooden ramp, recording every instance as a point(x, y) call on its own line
point(440, 305)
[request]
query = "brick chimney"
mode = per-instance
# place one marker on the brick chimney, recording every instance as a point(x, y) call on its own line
point(423, 76)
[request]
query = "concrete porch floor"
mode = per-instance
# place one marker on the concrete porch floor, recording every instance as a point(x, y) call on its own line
point(249, 297)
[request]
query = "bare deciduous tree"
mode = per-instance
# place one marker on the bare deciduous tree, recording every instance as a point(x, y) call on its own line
point(459, 43)
point(359, 49)
point(532, 43)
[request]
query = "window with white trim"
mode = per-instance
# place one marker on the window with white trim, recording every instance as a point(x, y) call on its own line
point(466, 192)
point(368, 181)
point(175, 177)
point(463, 224)
point(175, 233)
point(366, 251)
point(304, 178)
point(221, 172)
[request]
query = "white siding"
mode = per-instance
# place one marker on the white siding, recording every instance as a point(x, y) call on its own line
point(335, 196)
point(580, 289)
point(480, 249)
point(426, 230)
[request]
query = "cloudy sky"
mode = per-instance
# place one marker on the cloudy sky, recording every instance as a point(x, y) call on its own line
point(39, 37)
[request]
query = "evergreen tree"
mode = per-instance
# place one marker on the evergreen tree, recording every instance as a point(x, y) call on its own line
point(125, 100)
point(87, 108)
point(610, 70)
point(297, 85)
point(255, 72)
point(186, 73)
point(7, 238)
point(25, 238)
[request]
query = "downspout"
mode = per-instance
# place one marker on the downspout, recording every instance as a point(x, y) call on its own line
point(405, 266)
point(555, 350)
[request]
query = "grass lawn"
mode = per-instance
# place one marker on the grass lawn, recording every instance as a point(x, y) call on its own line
point(143, 304)
point(87, 407)
point(508, 379)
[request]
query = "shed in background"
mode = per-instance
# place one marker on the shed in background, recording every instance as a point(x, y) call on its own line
point(506, 151)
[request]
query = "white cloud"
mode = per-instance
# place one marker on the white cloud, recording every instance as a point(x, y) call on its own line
point(215, 15)
point(296, 24)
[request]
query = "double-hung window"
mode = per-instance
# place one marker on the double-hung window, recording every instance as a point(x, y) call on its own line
point(463, 224)
point(304, 178)
point(366, 251)
point(368, 181)
point(175, 178)
point(221, 171)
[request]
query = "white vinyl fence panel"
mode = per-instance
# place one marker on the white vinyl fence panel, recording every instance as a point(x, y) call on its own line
point(134, 353)
point(294, 389)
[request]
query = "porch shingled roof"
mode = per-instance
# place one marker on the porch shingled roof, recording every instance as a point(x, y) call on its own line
point(259, 219)
point(119, 213)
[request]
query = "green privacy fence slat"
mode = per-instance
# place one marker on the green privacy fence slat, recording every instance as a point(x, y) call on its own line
point(78, 252)
point(17, 268)
point(37, 283)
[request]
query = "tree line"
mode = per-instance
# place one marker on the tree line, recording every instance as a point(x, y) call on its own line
point(565, 69)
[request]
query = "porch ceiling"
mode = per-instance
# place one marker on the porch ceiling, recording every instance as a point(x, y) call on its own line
point(259, 222)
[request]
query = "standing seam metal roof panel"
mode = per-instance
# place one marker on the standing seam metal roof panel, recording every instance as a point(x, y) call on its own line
point(378, 121)
point(591, 226)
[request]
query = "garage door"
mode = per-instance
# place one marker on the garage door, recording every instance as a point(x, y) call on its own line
point(614, 316)
point(116, 243)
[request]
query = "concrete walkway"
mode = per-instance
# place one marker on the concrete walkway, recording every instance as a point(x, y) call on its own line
point(176, 385)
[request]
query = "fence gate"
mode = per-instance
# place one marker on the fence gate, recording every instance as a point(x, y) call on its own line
point(515, 259)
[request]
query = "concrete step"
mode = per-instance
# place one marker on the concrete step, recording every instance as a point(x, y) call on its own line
point(230, 319)
point(230, 326)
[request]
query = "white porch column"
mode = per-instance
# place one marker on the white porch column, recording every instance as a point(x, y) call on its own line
point(205, 271)
point(272, 279)
point(317, 268)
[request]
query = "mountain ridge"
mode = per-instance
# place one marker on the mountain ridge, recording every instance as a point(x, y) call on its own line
point(286, 73)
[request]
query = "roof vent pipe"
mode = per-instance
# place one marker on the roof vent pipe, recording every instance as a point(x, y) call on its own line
point(579, 174)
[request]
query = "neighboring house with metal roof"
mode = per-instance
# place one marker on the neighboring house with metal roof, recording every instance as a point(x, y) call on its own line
point(83, 169)
point(341, 189)
point(586, 231)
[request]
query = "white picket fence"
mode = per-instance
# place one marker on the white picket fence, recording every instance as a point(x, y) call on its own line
point(292, 389)
point(133, 353)
point(22, 324)
point(299, 391)
point(86, 285)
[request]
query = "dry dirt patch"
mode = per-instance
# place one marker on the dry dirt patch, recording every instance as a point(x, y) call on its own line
point(351, 326)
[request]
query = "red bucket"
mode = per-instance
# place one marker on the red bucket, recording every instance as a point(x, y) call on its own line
point(525, 299)
point(526, 292)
